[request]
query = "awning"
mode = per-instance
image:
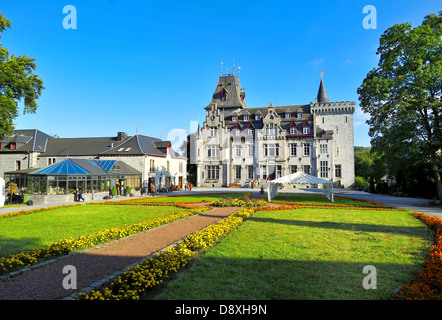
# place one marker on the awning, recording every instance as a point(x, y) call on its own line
point(300, 178)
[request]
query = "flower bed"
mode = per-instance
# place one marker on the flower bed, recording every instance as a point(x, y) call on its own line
point(135, 281)
point(428, 284)
point(245, 200)
point(67, 246)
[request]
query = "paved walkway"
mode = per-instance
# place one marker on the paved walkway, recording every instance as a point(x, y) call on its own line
point(105, 262)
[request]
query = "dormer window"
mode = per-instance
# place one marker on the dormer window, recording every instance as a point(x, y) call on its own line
point(250, 132)
point(13, 146)
point(299, 114)
point(292, 130)
point(223, 94)
point(234, 118)
point(257, 117)
point(306, 130)
point(246, 118)
point(287, 115)
point(237, 132)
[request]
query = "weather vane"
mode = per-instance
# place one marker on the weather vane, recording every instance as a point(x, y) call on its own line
point(321, 74)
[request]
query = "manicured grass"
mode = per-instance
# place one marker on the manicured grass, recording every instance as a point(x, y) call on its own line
point(189, 198)
point(313, 254)
point(317, 198)
point(43, 228)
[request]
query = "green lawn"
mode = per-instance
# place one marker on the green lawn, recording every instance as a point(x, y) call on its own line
point(308, 254)
point(43, 228)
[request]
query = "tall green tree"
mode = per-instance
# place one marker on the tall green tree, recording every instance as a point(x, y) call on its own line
point(403, 95)
point(18, 82)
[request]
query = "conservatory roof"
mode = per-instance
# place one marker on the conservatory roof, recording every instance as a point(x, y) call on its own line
point(87, 167)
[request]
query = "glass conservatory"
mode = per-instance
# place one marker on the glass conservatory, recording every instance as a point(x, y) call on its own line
point(66, 176)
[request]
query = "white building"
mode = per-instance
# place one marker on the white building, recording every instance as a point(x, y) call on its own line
point(237, 145)
point(27, 150)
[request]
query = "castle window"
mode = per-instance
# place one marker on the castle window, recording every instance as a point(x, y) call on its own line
point(307, 169)
point(323, 169)
point(338, 171)
point(264, 172)
point(237, 151)
point(17, 165)
point(213, 151)
point(293, 169)
point(306, 149)
point(223, 94)
point(250, 169)
point(237, 132)
point(250, 132)
point(238, 172)
point(213, 172)
point(271, 150)
point(323, 148)
point(293, 149)
point(250, 150)
point(213, 132)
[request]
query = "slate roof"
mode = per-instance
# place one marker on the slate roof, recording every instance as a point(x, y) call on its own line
point(139, 145)
point(26, 140)
point(235, 93)
point(79, 146)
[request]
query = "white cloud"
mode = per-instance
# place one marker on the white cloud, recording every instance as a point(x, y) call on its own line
point(317, 61)
point(359, 114)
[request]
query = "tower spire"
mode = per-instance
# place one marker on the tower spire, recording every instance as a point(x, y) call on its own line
point(322, 93)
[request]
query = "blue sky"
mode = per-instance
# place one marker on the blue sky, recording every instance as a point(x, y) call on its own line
point(155, 64)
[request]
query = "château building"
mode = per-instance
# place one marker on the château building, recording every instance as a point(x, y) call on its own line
point(240, 146)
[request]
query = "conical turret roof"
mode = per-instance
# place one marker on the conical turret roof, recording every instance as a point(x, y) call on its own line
point(322, 93)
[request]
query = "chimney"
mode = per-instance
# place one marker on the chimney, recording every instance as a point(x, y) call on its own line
point(121, 136)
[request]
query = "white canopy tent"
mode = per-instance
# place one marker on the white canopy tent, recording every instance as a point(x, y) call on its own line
point(299, 178)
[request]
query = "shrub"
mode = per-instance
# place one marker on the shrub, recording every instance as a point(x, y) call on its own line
point(114, 191)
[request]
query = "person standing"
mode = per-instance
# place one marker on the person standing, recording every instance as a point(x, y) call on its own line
point(80, 194)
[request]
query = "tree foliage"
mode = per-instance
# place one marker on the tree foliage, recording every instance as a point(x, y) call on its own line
point(18, 82)
point(403, 96)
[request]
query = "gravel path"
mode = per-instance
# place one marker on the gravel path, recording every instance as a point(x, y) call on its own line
point(46, 283)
